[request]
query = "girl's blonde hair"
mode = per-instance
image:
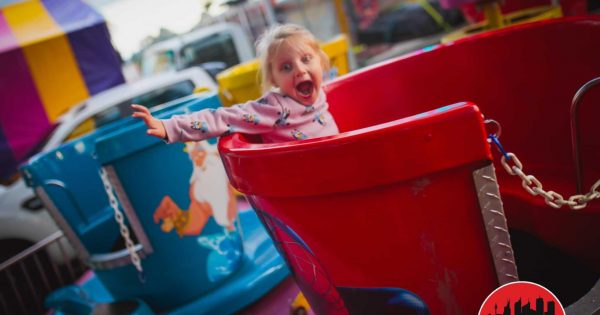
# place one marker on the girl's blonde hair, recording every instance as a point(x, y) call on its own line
point(269, 42)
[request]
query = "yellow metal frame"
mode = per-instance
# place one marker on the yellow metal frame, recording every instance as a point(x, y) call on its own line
point(495, 19)
point(435, 15)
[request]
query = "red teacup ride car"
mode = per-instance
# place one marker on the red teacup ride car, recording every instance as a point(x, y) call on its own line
point(409, 209)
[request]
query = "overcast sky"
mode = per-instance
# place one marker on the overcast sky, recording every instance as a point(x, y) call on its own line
point(130, 21)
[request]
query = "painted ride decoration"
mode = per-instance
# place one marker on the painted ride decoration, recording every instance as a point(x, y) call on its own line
point(409, 210)
point(53, 55)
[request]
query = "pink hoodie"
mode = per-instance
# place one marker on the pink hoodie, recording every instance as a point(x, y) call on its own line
point(276, 117)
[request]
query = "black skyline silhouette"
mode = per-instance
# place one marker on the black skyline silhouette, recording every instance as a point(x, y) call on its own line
point(526, 309)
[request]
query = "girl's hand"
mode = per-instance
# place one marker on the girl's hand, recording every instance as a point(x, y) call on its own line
point(155, 127)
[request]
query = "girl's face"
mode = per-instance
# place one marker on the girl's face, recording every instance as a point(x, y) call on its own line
point(297, 71)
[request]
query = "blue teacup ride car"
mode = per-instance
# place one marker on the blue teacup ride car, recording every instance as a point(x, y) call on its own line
point(169, 240)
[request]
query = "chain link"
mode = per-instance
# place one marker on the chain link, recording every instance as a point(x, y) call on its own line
point(135, 258)
point(533, 186)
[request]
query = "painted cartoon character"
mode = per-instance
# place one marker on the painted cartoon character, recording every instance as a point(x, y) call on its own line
point(225, 254)
point(210, 195)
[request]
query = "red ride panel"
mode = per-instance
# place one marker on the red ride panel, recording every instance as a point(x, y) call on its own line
point(386, 206)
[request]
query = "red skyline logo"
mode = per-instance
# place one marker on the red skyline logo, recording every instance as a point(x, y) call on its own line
point(521, 298)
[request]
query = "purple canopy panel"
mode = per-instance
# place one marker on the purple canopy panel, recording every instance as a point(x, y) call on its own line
point(90, 42)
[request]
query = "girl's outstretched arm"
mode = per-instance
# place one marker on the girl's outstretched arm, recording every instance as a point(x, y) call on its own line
point(155, 126)
point(251, 117)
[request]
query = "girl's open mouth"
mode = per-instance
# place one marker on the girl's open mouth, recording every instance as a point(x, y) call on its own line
point(305, 88)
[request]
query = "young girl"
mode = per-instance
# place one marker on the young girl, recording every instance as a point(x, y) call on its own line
point(294, 105)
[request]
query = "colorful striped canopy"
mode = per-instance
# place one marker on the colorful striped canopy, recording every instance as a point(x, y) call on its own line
point(53, 55)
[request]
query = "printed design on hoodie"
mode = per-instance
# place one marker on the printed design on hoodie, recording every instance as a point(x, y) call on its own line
point(200, 126)
point(320, 118)
point(283, 117)
point(262, 100)
point(298, 135)
point(309, 109)
point(229, 130)
point(251, 118)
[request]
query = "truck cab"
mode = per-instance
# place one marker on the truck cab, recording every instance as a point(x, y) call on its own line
point(214, 48)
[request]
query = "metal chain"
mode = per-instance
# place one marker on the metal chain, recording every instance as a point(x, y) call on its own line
point(533, 186)
point(135, 258)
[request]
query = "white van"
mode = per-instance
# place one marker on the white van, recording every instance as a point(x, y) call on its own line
point(214, 48)
point(23, 219)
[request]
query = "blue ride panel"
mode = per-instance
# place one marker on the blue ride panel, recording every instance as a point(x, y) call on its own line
point(185, 226)
point(261, 269)
point(69, 176)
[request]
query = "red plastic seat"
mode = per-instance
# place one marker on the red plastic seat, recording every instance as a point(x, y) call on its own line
point(391, 205)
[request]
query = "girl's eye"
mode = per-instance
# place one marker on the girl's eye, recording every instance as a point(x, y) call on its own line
point(286, 67)
point(306, 58)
